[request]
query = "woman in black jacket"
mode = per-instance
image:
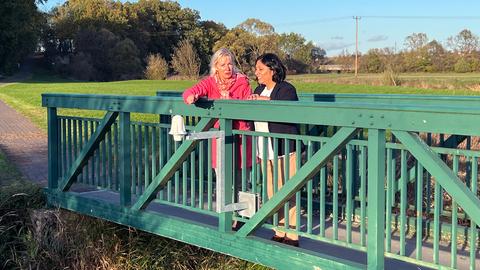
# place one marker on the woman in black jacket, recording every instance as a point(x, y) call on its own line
point(271, 73)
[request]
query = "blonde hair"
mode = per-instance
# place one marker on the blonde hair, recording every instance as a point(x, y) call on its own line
point(219, 54)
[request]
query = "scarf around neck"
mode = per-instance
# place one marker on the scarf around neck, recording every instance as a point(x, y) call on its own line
point(225, 85)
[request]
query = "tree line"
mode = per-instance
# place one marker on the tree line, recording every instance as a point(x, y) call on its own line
point(103, 40)
point(461, 53)
point(108, 40)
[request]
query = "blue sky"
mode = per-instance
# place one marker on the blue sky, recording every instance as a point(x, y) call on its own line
point(330, 24)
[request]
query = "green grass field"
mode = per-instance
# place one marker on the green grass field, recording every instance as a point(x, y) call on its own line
point(456, 83)
point(26, 97)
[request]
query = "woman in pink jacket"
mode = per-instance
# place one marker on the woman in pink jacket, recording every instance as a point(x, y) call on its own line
point(224, 82)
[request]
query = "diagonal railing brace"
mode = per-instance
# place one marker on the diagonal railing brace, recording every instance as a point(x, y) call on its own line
point(88, 149)
point(442, 173)
point(307, 171)
point(171, 166)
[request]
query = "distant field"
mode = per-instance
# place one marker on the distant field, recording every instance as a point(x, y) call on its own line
point(26, 97)
point(451, 81)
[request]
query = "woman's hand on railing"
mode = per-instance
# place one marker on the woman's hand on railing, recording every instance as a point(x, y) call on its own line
point(257, 97)
point(191, 99)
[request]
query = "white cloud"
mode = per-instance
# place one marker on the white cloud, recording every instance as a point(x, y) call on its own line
point(377, 38)
point(332, 46)
point(337, 38)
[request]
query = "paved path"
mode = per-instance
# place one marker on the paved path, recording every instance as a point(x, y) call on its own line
point(24, 144)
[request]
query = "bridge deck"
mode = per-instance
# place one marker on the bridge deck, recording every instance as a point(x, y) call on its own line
point(111, 197)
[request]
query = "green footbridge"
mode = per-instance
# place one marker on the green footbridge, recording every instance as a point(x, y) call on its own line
point(383, 182)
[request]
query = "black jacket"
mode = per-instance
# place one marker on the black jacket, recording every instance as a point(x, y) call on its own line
point(282, 91)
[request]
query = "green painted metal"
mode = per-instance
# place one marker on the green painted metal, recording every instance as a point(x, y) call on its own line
point(389, 200)
point(349, 187)
point(312, 166)
point(309, 194)
point(453, 257)
point(125, 172)
point(251, 248)
point(403, 201)
point(90, 146)
point(473, 226)
point(363, 194)
point(447, 179)
point(171, 166)
point(419, 211)
point(335, 198)
point(376, 199)
point(53, 149)
point(415, 117)
point(310, 191)
point(436, 221)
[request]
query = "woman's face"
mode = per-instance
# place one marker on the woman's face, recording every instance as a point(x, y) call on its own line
point(224, 67)
point(264, 73)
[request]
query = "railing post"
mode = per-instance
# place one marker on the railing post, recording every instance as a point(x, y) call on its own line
point(53, 141)
point(125, 176)
point(376, 199)
point(225, 218)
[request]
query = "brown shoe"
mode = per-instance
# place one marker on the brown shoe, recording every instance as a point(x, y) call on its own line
point(290, 242)
point(278, 239)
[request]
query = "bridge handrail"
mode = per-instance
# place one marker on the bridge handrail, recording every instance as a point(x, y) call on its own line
point(413, 114)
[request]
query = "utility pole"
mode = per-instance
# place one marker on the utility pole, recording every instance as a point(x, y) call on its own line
point(356, 45)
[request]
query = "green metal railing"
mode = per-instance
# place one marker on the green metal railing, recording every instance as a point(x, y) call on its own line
point(378, 166)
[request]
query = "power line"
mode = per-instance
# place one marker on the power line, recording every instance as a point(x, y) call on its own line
point(425, 17)
point(324, 20)
point(393, 17)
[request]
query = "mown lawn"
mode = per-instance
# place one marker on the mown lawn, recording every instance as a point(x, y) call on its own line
point(26, 97)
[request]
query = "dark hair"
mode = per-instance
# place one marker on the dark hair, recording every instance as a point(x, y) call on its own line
point(272, 61)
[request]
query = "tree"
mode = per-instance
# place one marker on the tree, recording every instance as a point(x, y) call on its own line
point(157, 67)
point(98, 46)
point(257, 27)
point(124, 61)
point(297, 52)
point(416, 41)
point(211, 33)
point(249, 40)
point(154, 27)
point(372, 61)
point(436, 56)
point(416, 58)
point(20, 24)
point(464, 42)
point(185, 60)
point(238, 41)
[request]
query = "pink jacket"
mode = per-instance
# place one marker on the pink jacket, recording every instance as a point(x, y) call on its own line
point(239, 90)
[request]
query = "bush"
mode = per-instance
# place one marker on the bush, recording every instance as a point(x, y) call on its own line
point(124, 61)
point(462, 66)
point(157, 67)
point(82, 67)
point(390, 77)
point(185, 60)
